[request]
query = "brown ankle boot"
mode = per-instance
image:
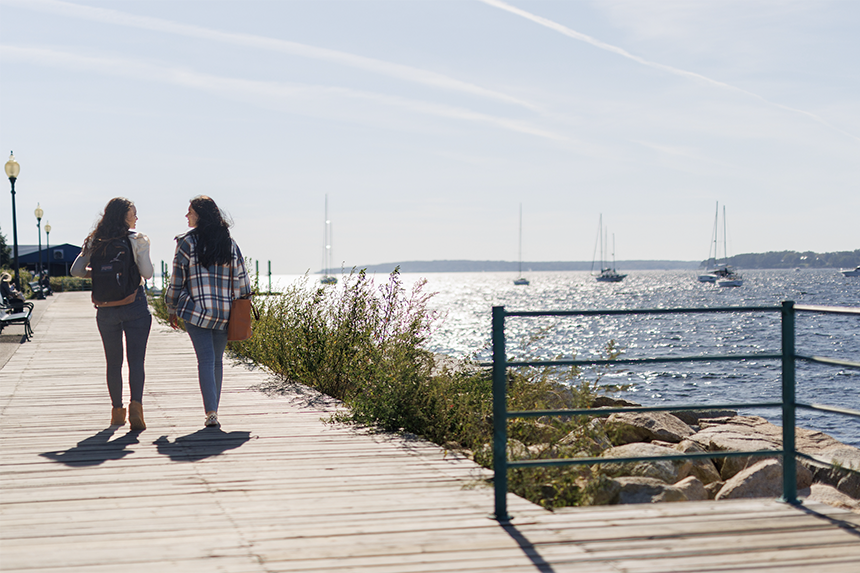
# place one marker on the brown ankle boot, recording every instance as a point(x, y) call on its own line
point(117, 417)
point(135, 416)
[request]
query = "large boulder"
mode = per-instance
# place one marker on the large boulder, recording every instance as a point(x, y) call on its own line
point(849, 484)
point(591, 438)
point(605, 491)
point(609, 402)
point(747, 433)
point(736, 434)
point(703, 468)
point(692, 488)
point(763, 479)
point(629, 427)
point(668, 471)
point(647, 490)
point(692, 417)
point(831, 496)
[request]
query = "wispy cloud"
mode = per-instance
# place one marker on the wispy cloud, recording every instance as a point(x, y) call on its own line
point(295, 97)
point(663, 67)
point(372, 65)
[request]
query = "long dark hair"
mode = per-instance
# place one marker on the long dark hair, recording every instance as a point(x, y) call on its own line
point(214, 246)
point(112, 225)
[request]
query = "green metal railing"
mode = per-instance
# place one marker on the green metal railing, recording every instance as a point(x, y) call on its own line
point(788, 404)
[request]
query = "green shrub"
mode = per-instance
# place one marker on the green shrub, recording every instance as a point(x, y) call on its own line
point(66, 284)
point(366, 344)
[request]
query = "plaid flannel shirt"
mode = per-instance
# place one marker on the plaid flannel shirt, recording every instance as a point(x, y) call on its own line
point(199, 295)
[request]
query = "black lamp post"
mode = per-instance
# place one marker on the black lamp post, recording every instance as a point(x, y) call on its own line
point(48, 247)
point(12, 170)
point(38, 213)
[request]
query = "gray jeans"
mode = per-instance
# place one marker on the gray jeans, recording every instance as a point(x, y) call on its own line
point(135, 321)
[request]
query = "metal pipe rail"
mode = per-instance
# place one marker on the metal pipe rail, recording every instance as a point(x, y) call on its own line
point(788, 404)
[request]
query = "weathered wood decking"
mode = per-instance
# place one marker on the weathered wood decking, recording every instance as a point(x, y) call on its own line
point(276, 489)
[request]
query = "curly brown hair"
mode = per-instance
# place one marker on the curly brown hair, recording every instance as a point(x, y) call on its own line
point(112, 225)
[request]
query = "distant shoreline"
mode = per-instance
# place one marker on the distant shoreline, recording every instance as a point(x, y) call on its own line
point(509, 266)
point(762, 261)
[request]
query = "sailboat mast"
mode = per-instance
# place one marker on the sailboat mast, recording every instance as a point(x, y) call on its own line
point(600, 232)
point(613, 251)
point(521, 241)
point(725, 241)
point(716, 232)
point(325, 239)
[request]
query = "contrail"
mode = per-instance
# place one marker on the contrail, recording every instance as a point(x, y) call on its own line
point(398, 71)
point(271, 94)
point(624, 53)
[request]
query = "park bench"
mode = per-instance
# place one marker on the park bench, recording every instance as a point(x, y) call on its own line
point(9, 315)
point(38, 290)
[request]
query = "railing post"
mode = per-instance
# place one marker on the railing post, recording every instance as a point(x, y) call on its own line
point(789, 459)
point(500, 415)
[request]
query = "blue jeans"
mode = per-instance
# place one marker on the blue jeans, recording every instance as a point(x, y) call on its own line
point(135, 321)
point(209, 345)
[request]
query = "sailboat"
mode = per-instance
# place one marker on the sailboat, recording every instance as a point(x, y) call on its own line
point(721, 274)
point(607, 274)
point(327, 279)
point(521, 280)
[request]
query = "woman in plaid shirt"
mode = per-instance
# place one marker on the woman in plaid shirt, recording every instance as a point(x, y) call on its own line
point(207, 264)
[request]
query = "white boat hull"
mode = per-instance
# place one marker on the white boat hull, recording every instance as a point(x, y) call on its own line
point(707, 278)
point(854, 273)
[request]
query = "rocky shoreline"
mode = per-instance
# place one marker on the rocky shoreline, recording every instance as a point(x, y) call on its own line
point(636, 434)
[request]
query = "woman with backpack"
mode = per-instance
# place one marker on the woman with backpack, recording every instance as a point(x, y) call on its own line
point(208, 273)
point(117, 260)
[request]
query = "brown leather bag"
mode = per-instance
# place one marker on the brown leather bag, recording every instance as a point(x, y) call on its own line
point(239, 326)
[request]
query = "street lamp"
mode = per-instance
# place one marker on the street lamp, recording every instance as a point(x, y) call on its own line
point(48, 247)
point(39, 213)
point(12, 170)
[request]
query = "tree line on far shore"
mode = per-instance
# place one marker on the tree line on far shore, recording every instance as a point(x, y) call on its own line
point(794, 259)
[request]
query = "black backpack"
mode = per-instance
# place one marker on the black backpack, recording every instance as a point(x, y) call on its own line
point(114, 272)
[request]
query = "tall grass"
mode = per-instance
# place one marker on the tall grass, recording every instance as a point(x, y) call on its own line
point(365, 344)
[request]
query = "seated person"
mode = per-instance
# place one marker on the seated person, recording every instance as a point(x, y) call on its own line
point(13, 297)
point(45, 283)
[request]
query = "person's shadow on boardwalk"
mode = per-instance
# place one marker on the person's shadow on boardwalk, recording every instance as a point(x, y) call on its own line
point(202, 444)
point(96, 449)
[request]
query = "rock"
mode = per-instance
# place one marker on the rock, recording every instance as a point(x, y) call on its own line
point(629, 427)
point(606, 491)
point(607, 402)
point(763, 479)
point(692, 417)
point(692, 488)
point(703, 468)
point(740, 433)
point(831, 496)
point(592, 437)
point(516, 450)
point(668, 471)
point(714, 488)
point(647, 490)
point(850, 485)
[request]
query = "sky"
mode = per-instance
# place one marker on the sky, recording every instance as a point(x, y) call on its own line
point(428, 123)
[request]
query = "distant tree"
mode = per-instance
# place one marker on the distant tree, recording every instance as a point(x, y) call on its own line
point(794, 259)
point(5, 253)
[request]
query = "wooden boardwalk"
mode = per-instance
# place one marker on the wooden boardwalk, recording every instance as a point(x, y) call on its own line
point(276, 489)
